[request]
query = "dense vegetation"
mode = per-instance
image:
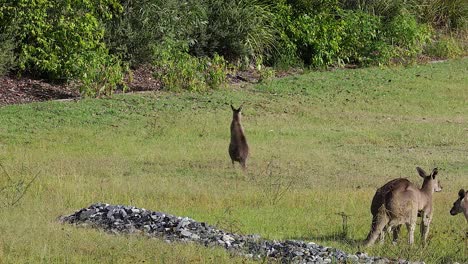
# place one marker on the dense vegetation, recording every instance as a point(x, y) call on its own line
point(193, 43)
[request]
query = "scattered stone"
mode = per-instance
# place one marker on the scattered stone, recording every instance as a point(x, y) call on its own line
point(353, 258)
point(119, 219)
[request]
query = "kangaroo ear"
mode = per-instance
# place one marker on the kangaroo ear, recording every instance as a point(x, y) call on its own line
point(421, 172)
point(434, 172)
point(232, 107)
point(461, 194)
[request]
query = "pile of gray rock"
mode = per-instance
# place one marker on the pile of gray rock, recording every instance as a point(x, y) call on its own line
point(129, 219)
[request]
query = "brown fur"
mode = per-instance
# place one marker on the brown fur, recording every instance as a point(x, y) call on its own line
point(238, 147)
point(378, 201)
point(399, 202)
point(461, 204)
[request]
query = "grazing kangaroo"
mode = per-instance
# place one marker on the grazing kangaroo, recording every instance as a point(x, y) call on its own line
point(461, 205)
point(400, 202)
point(238, 148)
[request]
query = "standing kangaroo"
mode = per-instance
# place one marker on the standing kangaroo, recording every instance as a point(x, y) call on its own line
point(461, 204)
point(400, 202)
point(238, 148)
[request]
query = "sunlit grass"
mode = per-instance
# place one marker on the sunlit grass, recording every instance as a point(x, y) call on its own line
point(331, 139)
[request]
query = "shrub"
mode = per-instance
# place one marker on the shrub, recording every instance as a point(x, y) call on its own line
point(63, 40)
point(361, 37)
point(387, 9)
point(178, 70)
point(99, 73)
point(133, 33)
point(7, 55)
point(285, 53)
point(444, 47)
point(53, 33)
point(406, 35)
point(237, 30)
point(318, 38)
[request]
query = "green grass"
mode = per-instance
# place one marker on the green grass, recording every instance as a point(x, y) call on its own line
point(333, 137)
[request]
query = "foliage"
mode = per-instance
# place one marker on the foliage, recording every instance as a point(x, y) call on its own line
point(7, 55)
point(443, 14)
point(406, 35)
point(63, 40)
point(180, 70)
point(133, 33)
point(285, 54)
point(318, 38)
point(361, 37)
point(92, 42)
point(99, 73)
point(237, 30)
point(445, 47)
point(232, 29)
point(53, 33)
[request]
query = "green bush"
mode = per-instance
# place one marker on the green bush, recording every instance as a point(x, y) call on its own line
point(407, 36)
point(177, 69)
point(133, 33)
point(7, 55)
point(361, 37)
point(318, 38)
point(445, 47)
point(237, 30)
point(99, 73)
point(285, 54)
point(52, 33)
point(63, 40)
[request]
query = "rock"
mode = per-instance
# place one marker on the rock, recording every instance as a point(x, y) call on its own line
point(353, 258)
point(86, 214)
point(227, 238)
point(186, 233)
point(183, 223)
point(119, 219)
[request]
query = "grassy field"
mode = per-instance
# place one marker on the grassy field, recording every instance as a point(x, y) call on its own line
point(321, 143)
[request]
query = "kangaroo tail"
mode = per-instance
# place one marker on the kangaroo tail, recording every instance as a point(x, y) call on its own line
point(379, 221)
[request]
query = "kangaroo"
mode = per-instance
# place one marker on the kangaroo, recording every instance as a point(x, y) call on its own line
point(377, 202)
point(238, 148)
point(461, 204)
point(400, 202)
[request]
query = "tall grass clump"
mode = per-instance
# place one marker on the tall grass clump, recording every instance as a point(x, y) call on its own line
point(240, 30)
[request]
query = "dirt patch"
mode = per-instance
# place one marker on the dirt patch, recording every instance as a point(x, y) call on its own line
point(25, 89)
point(20, 90)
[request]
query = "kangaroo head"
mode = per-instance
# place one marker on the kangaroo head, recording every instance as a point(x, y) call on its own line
point(236, 113)
point(457, 205)
point(430, 180)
